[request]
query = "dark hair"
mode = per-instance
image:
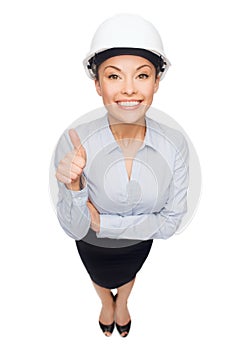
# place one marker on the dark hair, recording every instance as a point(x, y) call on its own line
point(100, 57)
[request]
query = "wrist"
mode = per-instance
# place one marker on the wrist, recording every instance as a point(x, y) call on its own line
point(77, 185)
point(74, 186)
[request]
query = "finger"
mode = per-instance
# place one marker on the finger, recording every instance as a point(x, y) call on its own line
point(89, 204)
point(66, 174)
point(70, 163)
point(75, 139)
point(69, 173)
point(60, 177)
point(75, 159)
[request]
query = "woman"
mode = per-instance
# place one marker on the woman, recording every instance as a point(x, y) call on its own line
point(123, 177)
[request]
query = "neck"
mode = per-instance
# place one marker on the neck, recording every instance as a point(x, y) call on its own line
point(128, 130)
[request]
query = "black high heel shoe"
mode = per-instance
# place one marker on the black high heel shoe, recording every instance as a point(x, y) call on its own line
point(108, 328)
point(125, 328)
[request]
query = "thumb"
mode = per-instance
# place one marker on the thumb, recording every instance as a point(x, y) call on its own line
point(75, 139)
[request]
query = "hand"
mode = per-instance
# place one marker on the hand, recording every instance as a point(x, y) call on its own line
point(95, 217)
point(71, 167)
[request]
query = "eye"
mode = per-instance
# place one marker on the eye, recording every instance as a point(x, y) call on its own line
point(113, 76)
point(143, 76)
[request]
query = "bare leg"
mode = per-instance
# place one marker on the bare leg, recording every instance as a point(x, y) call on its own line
point(108, 306)
point(122, 315)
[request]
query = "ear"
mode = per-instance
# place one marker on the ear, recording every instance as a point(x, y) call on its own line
point(98, 87)
point(156, 84)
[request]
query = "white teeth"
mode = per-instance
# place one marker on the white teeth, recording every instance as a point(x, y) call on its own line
point(128, 103)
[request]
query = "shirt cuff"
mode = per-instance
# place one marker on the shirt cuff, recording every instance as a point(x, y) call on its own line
point(108, 226)
point(78, 198)
point(100, 234)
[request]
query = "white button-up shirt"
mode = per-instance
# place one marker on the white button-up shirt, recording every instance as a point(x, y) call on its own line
point(149, 205)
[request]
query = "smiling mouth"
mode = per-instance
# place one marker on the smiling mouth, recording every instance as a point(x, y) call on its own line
point(129, 104)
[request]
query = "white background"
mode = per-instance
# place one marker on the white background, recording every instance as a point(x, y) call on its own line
point(194, 291)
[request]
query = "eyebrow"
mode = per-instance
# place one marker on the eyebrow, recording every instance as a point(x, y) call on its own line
point(144, 65)
point(114, 67)
point(119, 70)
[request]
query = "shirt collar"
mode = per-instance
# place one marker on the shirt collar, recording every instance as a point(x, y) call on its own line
point(148, 140)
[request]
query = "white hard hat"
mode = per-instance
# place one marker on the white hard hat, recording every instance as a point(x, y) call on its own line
point(126, 31)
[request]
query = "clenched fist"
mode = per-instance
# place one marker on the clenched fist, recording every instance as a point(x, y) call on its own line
point(70, 168)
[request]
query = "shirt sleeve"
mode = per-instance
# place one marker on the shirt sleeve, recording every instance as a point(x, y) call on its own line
point(159, 225)
point(72, 211)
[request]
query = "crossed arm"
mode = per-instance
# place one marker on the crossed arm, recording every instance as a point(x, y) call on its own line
point(76, 213)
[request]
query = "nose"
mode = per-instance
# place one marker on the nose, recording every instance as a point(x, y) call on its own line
point(129, 87)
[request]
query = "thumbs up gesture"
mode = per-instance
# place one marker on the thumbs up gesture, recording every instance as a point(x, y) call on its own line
point(70, 168)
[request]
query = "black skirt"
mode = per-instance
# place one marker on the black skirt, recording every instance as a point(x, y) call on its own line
point(113, 267)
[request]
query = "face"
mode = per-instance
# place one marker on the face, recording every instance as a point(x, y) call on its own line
point(127, 85)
